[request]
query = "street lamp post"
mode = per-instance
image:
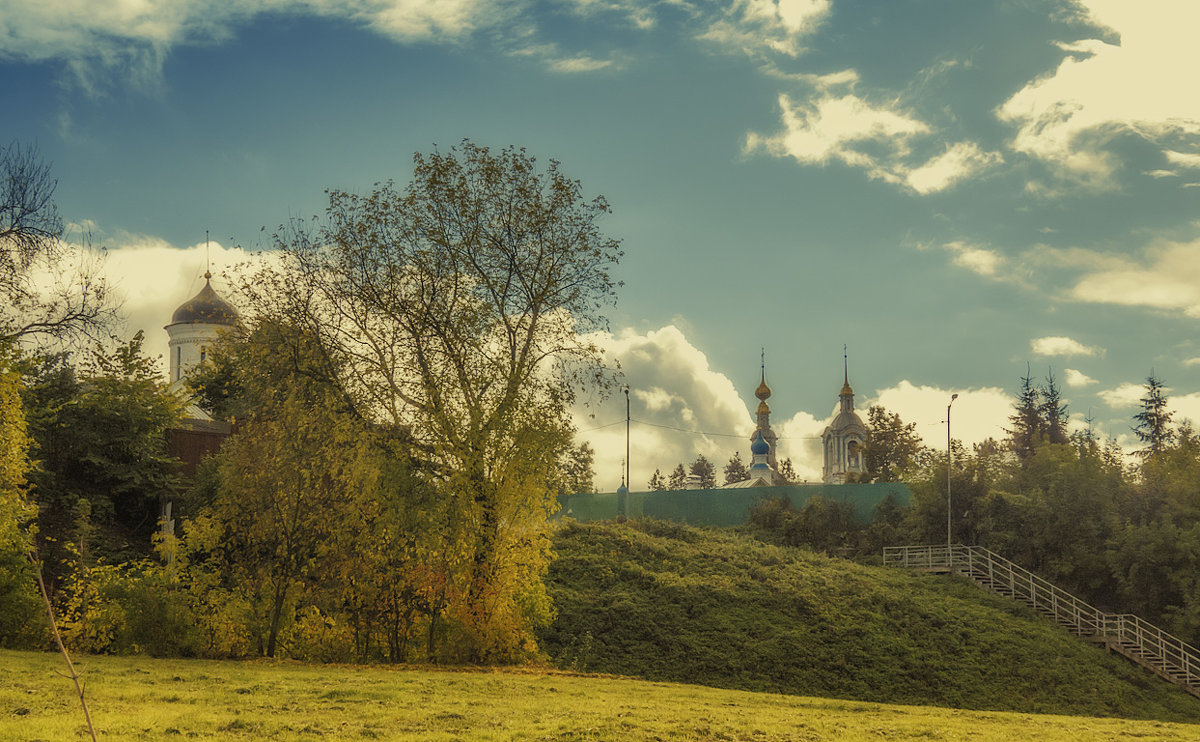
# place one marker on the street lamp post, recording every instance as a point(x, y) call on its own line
point(949, 462)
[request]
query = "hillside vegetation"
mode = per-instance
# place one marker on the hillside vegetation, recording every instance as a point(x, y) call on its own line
point(670, 602)
point(141, 698)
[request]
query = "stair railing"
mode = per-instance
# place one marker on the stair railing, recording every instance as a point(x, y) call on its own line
point(1128, 634)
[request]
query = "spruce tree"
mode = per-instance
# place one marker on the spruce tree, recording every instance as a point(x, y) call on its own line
point(703, 469)
point(1026, 420)
point(1052, 412)
point(678, 478)
point(735, 470)
point(1153, 423)
point(657, 483)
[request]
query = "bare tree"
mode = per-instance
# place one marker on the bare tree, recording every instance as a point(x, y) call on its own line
point(39, 294)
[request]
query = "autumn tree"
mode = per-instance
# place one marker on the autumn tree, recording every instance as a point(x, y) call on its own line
point(18, 604)
point(459, 308)
point(735, 470)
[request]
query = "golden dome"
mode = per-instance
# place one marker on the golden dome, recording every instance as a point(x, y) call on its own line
point(763, 408)
point(846, 389)
point(763, 391)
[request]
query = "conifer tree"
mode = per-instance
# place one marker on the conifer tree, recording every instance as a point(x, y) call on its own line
point(1053, 411)
point(1153, 423)
point(705, 471)
point(787, 472)
point(735, 470)
point(678, 478)
point(657, 483)
point(1027, 419)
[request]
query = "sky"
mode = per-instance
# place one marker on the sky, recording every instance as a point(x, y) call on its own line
point(955, 191)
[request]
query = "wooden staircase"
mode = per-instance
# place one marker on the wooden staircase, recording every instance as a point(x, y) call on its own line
point(1147, 645)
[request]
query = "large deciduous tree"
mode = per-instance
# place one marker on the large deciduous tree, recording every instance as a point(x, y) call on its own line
point(459, 307)
point(31, 231)
point(893, 446)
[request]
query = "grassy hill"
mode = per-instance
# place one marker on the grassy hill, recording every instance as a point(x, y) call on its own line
point(669, 602)
point(134, 698)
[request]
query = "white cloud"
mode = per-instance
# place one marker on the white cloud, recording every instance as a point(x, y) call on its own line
point(1140, 84)
point(1062, 346)
point(1077, 379)
point(800, 441)
point(1166, 276)
point(580, 64)
point(672, 387)
point(1185, 407)
point(1126, 395)
point(977, 414)
point(978, 260)
point(778, 26)
point(1183, 159)
point(1192, 362)
point(876, 137)
point(959, 161)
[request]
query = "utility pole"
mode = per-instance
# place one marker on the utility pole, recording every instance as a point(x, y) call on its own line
point(628, 481)
point(949, 462)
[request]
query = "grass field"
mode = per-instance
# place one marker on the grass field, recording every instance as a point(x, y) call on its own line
point(140, 698)
point(668, 602)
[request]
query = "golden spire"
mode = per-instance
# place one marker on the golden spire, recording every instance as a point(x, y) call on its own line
point(846, 373)
point(763, 391)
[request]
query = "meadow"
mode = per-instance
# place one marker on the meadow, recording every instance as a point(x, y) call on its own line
point(139, 698)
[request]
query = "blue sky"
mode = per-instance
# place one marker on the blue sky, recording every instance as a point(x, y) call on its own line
point(952, 189)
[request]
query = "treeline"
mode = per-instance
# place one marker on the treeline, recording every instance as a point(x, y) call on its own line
point(399, 390)
point(1121, 532)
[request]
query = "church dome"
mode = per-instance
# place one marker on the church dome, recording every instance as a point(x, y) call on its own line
point(205, 307)
point(760, 447)
point(763, 391)
point(847, 420)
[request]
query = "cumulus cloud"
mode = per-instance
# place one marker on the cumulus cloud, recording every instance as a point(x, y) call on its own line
point(833, 125)
point(681, 407)
point(1165, 276)
point(1077, 379)
point(977, 414)
point(979, 260)
point(1059, 345)
point(1192, 362)
point(1125, 395)
point(1139, 84)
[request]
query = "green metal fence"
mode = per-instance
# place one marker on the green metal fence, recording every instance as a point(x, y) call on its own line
point(727, 507)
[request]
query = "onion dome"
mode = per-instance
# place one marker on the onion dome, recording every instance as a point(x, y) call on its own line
point(759, 446)
point(622, 490)
point(763, 391)
point(205, 308)
point(763, 408)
